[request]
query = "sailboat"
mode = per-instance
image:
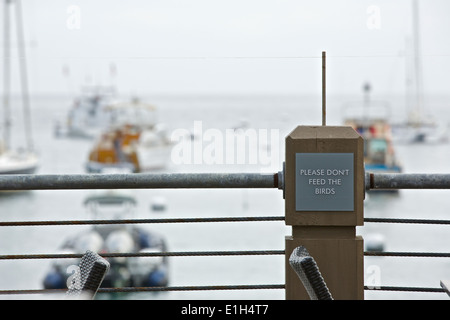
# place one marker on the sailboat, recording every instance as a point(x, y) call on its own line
point(418, 127)
point(21, 161)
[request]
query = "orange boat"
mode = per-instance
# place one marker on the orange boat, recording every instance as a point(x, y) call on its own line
point(130, 148)
point(116, 149)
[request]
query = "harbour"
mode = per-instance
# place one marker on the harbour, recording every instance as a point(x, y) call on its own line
point(197, 203)
point(197, 173)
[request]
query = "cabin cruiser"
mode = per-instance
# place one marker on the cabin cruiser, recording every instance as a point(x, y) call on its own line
point(88, 114)
point(130, 149)
point(379, 153)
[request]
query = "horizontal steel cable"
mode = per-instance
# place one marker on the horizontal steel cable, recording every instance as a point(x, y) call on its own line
point(406, 289)
point(149, 289)
point(409, 254)
point(208, 253)
point(138, 221)
point(214, 287)
point(145, 254)
point(198, 220)
point(211, 253)
point(407, 221)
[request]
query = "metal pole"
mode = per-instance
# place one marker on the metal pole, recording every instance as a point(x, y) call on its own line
point(324, 108)
point(139, 181)
point(407, 181)
point(417, 61)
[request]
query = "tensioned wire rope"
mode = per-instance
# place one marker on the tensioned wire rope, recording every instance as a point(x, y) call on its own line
point(212, 253)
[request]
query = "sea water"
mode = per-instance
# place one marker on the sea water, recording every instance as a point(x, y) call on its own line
point(281, 114)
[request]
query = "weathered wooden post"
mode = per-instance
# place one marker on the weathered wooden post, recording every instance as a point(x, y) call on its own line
point(324, 195)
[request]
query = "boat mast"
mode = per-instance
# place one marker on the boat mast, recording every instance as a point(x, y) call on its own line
point(23, 75)
point(6, 75)
point(417, 63)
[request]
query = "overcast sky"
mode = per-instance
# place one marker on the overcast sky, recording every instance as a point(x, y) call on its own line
point(232, 46)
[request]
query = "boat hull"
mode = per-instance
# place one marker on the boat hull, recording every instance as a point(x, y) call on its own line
point(146, 271)
point(99, 167)
point(18, 163)
point(153, 158)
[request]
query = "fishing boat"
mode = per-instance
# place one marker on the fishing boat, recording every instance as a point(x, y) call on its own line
point(135, 143)
point(137, 271)
point(379, 153)
point(371, 120)
point(23, 160)
point(89, 113)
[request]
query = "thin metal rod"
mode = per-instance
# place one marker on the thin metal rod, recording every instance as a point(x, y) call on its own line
point(407, 181)
point(138, 181)
point(324, 99)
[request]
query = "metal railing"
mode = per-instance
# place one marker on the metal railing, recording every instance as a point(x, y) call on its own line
point(142, 181)
point(394, 181)
point(138, 181)
point(373, 181)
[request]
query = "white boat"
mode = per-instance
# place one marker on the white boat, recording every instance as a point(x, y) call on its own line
point(130, 148)
point(88, 115)
point(418, 127)
point(154, 149)
point(138, 271)
point(23, 160)
point(18, 162)
point(136, 142)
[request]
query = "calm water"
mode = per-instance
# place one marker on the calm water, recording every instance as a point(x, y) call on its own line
point(282, 113)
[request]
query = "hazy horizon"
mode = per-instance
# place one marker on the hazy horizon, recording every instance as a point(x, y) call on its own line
point(230, 47)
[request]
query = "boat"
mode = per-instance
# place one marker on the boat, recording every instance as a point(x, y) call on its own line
point(379, 153)
point(88, 114)
point(136, 143)
point(23, 160)
point(137, 271)
point(418, 126)
point(18, 162)
point(371, 120)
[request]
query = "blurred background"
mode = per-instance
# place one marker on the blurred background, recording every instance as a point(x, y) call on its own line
point(251, 65)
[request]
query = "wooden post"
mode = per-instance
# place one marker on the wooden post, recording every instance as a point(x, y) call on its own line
point(324, 194)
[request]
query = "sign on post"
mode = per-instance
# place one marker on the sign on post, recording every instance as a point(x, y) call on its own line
point(324, 182)
point(324, 193)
